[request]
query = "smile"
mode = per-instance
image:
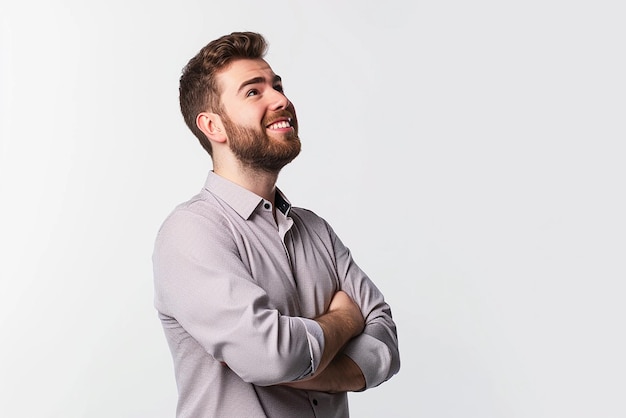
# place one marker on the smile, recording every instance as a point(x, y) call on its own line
point(281, 124)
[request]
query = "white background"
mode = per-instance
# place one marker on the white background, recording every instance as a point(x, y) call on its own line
point(471, 155)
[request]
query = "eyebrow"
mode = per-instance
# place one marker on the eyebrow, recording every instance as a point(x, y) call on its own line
point(257, 80)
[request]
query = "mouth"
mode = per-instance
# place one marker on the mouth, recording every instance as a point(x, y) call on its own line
point(283, 123)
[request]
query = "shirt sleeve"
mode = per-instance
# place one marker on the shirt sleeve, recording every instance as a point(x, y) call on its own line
point(201, 282)
point(375, 351)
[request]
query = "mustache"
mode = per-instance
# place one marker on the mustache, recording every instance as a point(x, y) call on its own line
point(281, 114)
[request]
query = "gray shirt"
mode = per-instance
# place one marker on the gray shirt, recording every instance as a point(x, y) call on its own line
point(236, 289)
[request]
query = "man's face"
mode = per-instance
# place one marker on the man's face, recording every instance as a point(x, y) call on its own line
point(259, 120)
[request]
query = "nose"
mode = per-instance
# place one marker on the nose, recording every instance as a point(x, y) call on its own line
point(278, 100)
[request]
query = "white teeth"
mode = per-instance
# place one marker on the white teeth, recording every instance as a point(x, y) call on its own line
point(279, 125)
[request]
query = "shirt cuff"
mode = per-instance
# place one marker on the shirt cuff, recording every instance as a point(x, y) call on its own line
point(372, 356)
point(315, 338)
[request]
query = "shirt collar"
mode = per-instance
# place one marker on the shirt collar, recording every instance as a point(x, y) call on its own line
point(242, 200)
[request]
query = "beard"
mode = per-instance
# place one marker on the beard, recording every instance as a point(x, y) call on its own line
point(255, 149)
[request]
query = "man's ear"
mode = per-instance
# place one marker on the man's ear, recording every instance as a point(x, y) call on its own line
point(211, 125)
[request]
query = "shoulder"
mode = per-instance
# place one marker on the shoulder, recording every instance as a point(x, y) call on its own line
point(199, 216)
point(306, 215)
point(311, 221)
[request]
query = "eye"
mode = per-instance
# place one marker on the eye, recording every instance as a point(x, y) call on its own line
point(252, 92)
point(279, 87)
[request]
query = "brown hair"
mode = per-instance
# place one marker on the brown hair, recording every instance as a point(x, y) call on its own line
point(198, 90)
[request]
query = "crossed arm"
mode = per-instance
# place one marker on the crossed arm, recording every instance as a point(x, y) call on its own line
point(337, 372)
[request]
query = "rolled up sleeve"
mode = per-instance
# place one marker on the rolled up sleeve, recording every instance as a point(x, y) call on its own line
point(315, 339)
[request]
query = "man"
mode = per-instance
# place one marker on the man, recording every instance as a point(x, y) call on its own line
point(264, 310)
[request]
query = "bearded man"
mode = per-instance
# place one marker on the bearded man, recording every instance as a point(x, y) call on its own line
point(264, 309)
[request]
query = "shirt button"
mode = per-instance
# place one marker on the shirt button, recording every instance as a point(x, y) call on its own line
point(315, 402)
point(266, 205)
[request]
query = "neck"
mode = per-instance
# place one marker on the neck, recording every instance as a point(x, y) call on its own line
point(259, 182)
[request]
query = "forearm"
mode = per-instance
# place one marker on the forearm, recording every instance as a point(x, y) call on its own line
point(339, 326)
point(341, 375)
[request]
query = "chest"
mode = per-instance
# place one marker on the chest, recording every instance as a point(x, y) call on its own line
point(296, 266)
